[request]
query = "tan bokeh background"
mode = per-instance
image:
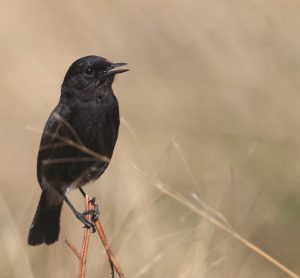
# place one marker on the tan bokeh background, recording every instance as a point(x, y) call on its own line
point(210, 107)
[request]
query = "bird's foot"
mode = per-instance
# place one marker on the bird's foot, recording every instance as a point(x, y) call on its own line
point(87, 223)
point(94, 212)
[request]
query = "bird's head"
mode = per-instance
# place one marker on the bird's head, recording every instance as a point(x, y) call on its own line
point(91, 73)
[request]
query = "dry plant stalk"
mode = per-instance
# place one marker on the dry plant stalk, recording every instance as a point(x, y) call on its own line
point(111, 257)
point(85, 242)
point(82, 256)
point(165, 189)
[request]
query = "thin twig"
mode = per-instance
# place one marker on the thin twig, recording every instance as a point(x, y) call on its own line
point(112, 269)
point(111, 257)
point(73, 248)
point(85, 242)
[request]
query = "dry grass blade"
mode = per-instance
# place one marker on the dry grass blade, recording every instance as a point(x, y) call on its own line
point(164, 188)
point(79, 147)
point(72, 143)
point(63, 121)
point(68, 160)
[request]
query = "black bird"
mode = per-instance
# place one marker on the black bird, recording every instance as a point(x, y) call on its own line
point(77, 142)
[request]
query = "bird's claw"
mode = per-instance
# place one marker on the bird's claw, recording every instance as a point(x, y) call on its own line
point(92, 201)
point(90, 227)
point(95, 211)
point(87, 223)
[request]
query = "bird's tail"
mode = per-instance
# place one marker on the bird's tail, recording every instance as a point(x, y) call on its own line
point(45, 224)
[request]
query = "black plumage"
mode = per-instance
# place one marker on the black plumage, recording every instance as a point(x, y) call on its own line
point(77, 142)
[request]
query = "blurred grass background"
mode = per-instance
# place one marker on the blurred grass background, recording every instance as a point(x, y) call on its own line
point(216, 82)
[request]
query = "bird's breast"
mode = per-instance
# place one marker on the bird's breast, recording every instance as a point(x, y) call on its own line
point(97, 126)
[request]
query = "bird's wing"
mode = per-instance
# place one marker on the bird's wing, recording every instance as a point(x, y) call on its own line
point(54, 136)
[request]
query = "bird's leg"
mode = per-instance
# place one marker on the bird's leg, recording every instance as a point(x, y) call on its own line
point(80, 216)
point(82, 192)
point(94, 212)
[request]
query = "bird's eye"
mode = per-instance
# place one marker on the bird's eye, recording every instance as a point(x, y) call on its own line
point(89, 72)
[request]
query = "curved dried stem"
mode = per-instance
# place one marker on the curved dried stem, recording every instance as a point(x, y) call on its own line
point(73, 248)
point(165, 189)
point(113, 262)
point(82, 256)
point(85, 242)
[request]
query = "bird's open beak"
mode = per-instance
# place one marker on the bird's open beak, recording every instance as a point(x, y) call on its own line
point(113, 71)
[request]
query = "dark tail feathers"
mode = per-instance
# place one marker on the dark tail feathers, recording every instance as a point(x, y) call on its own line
point(45, 224)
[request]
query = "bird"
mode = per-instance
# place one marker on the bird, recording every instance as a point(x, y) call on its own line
point(77, 143)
